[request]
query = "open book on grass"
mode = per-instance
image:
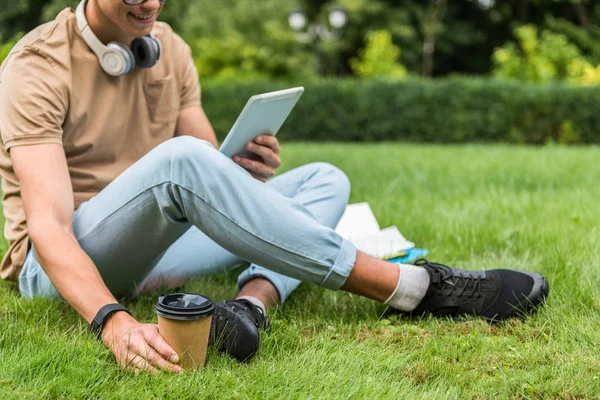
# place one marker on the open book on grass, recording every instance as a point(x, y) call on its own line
point(359, 225)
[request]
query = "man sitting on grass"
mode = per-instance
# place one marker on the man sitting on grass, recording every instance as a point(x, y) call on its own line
point(113, 185)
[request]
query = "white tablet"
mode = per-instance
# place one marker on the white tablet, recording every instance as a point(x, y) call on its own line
point(264, 113)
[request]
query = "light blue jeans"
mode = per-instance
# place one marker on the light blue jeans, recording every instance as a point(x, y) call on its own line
point(185, 210)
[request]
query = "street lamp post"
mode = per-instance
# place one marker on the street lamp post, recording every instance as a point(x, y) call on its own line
point(315, 33)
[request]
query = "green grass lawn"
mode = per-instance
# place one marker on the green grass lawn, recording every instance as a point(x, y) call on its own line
point(474, 207)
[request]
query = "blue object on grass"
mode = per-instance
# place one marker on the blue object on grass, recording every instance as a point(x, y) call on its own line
point(411, 255)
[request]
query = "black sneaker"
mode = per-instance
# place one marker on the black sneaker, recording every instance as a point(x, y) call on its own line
point(234, 328)
point(494, 295)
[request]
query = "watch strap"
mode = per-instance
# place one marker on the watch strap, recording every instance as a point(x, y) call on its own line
point(99, 320)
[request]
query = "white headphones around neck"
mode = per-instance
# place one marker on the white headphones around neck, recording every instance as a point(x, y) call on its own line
point(115, 58)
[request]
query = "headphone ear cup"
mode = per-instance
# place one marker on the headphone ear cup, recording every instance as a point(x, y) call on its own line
point(146, 50)
point(119, 60)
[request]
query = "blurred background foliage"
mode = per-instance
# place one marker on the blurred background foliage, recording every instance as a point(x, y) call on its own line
point(543, 57)
point(535, 40)
point(379, 58)
point(505, 71)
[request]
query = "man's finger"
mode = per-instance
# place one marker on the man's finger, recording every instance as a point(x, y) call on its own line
point(266, 153)
point(270, 141)
point(145, 350)
point(157, 360)
point(257, 167)
point(159, 344)
point(138, 364)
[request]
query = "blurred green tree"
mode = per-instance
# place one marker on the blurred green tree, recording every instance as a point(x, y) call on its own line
point(461, 35)
point(464, 36)
point(6, 47)
point(53, 7)
point(542, 58)
point(19, 16)
point(587, 38)
point(535, 57)
point(243, 40)
point(379, 58)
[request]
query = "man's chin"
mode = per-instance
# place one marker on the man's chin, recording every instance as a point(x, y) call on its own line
point(144, 32)
point(136, 33)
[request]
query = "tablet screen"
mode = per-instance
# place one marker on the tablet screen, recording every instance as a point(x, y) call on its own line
point(264, 113)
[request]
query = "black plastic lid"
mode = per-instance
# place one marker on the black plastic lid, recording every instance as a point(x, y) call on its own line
point(184, 306)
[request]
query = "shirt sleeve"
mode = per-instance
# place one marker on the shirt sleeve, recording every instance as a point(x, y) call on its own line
point(33, 101)
point(190, 85)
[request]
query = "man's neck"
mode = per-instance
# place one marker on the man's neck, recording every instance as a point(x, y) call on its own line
point(104, 29)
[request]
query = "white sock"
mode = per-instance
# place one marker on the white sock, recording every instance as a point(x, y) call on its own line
point(412, 287)
point(256, 302)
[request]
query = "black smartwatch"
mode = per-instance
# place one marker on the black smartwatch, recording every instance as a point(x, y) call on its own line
point(99, 320)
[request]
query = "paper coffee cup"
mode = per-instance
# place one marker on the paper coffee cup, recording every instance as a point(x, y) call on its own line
point(184, 321)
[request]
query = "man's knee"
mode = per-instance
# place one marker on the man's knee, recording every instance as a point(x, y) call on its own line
point(195, 163)
point(334, 178)
point(184, 147)
point(186, 150)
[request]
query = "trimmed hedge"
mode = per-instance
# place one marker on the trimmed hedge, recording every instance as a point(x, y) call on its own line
point(454, 110)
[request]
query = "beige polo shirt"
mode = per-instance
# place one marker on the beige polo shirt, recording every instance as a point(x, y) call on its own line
point(52, 90)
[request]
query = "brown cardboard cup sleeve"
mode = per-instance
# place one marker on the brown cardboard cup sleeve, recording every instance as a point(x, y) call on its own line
point(184, 322)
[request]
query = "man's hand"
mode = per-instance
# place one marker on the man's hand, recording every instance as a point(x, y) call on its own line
point(138, 347)
point(266, 147)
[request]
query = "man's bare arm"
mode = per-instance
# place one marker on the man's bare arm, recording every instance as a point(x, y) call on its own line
point(192, 121)
point(48, 201)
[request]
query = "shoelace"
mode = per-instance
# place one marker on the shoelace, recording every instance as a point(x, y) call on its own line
point(256, 313)
point(451, 281)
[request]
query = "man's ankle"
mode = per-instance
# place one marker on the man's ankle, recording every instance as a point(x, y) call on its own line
point(258, 303)
point(372, 278)
point(412, 288)
point(262, 290)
